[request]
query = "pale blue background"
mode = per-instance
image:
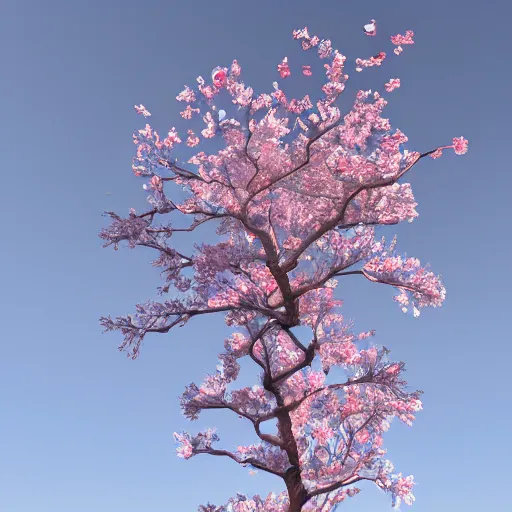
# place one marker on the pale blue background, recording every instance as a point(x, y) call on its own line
point(82, 428)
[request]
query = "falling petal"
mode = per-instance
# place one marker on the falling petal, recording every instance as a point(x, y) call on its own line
point(371, 28)
point(306, 70)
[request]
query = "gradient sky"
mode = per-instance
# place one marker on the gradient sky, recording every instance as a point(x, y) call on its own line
point(83, 428)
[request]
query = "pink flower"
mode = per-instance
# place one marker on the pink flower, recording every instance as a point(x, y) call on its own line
point(306, 70)
point(156, 183)
point(141, 109)
point(292, 243)
point(300, 34)
point(460, 145)
point(436, 154)
point(192, 139)
point(186, 450)
point(394, 369)
point(209, 131)
point(209, 92)
point(322, 454)
point(147, 132)
point(376, 60)
point(187, 95)
point(283, 68)
point(187, 113)
point(362, 436)
point(172, 138)
point(323, 434)
point(235, 69)
point(393, 84)
point(324, 48)
point(403, 39)
point(398, 50)
point(316, 379)
point(403, 489)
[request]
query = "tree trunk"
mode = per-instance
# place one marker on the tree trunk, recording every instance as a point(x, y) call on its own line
point(296, 490)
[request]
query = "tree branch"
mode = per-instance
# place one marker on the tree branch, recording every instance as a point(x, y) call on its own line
point(337, 485)
point(252, 461)
point(299, 167)
point(353, 435)
point(315, 235)
point(309, 355)
point(273, 440)
point(169, 252)
point(181, 314)
point(295, 405)
point(375, 280)
point(183, 173)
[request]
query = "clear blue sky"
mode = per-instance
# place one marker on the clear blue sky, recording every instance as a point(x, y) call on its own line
point(83, 428)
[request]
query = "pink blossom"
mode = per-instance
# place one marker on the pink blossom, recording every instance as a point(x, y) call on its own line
point(208, 91)
point(376, 60)
point(300, 34)
point(186, 95)
point(403, 489)
point(322, 434)
point(172, 138)
point(192, 139)
point(185, 451)
point(279, 95)
point(403, 39)
point(292, 243)
point(284, 68)
point(187, 113)
point(242, 95)
point(366, 335)
point(156, 183)
point(460, 145)
point(138, 169)
point(306, 70)
point(141, 109)
point(147, 132)
point(437, 153)
point(235, 69)
point(363, 436)
point(322, 454)
point(398, 50)
point(209, 131)
point(393, 84)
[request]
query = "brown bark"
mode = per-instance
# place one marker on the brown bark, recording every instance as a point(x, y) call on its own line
point(296, 490)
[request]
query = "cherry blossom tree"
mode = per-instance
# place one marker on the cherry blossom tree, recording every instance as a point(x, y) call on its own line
point(298, 190)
